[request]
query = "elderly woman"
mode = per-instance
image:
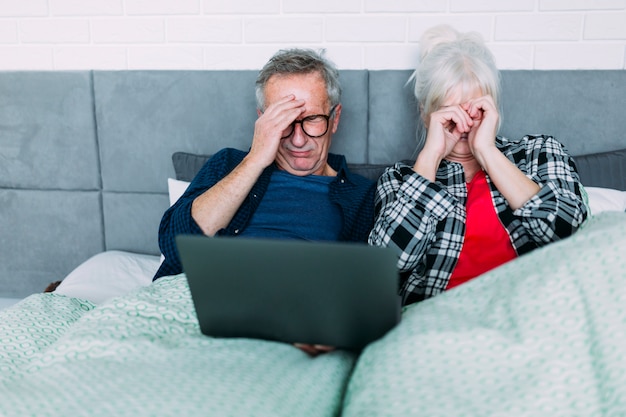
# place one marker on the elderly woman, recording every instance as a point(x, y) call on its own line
point(473, 200)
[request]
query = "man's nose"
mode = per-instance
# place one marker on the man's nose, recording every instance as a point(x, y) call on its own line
point(299, 138)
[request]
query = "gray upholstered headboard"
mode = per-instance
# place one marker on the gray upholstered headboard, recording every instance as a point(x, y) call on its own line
point(85, 155)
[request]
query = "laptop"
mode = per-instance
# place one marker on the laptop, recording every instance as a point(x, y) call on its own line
point(328, 293)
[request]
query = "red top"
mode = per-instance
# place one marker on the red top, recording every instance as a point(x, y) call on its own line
point(487, 244)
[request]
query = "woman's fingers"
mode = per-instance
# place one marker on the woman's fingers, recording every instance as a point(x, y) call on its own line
point(480, 108)
point(453, 120)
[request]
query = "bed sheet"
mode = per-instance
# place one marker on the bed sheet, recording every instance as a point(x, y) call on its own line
point(143, 354)
point(544, 335)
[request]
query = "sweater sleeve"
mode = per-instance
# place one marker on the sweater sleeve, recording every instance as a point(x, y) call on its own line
point(178, 220)
point(558, 209)
point(408, 211)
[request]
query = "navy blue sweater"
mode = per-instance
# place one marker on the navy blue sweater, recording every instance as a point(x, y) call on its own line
point(353, 194)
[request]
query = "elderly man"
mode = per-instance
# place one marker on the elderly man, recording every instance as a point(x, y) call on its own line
point(287, 185)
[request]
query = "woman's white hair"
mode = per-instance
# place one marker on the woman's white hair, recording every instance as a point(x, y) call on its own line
point(448, 59)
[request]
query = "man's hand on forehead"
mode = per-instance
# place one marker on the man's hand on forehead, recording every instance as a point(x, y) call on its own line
point(283, 112)
point(270, 125)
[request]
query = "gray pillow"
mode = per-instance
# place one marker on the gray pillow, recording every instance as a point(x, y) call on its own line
point(606, 169)
point(187, 165)
point(371, 171)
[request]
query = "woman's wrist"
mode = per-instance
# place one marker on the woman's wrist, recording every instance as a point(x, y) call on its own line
point(426, 164)
point(486, 154)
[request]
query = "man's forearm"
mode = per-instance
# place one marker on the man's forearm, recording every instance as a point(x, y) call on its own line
point(215, 208)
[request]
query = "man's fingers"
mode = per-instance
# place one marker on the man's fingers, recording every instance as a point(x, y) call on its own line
point(324, 348)
point(314, 350)
point(285, 104)
point(279, 115)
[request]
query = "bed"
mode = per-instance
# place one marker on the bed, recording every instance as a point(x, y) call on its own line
point(534, 337)
point(92, 159)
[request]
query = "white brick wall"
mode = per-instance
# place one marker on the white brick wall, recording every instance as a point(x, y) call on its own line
point(242, 34)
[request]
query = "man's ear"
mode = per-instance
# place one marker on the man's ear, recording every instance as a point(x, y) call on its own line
point(336, 117)
point(259, 112)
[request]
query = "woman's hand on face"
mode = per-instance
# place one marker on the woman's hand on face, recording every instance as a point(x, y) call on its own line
point(485, 118)
point(445, 128)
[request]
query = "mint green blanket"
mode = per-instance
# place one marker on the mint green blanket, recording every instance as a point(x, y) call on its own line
point(544, 335)
point(143, 355)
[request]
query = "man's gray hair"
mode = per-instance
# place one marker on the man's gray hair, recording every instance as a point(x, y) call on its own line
point(299, 61)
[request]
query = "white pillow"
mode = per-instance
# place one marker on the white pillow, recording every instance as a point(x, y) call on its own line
point(605, 199)
point(113, 273)
point(109, 274)
point(176, 188)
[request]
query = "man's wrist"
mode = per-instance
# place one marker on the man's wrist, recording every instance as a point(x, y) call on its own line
point(253, 164)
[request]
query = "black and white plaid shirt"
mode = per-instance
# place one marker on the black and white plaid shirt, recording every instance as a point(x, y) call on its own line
point(425, 221)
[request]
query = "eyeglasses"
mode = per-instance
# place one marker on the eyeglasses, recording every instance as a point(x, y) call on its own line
point(313, 126)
